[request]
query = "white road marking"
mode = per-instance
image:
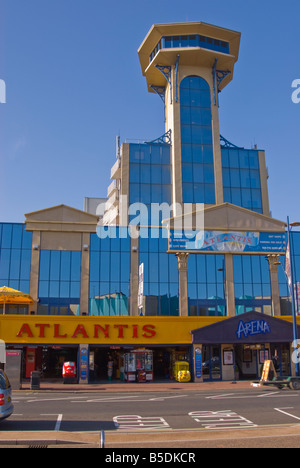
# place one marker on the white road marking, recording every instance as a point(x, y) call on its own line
point(140, 423)
point(216, 397)
point(232, 396)
point(268, 394)
point(224, 419)
point(287, 414)
point(38, 400)
point(165, 398)
point(58, 421)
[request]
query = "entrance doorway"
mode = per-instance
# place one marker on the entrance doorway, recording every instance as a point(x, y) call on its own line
point(105, 364)
point(50, 359)
point(164, 359)
point(280, 354)
point(212, 368)
point(246, 362)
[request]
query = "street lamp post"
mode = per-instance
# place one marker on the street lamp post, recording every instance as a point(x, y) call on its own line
point(292, 291)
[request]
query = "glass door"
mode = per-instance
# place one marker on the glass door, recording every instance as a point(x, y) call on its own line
point(280, 354)
point(212, 369)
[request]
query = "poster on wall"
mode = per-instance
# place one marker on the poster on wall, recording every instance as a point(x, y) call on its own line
point(83, 363)
point(228, 357)
point(198, 363)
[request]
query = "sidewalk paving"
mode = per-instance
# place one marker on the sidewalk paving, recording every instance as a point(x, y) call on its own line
point(124, 387)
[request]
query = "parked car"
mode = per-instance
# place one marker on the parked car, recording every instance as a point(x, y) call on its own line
point(6, 406)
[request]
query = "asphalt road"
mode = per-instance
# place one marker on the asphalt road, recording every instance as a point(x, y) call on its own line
point(255, 414)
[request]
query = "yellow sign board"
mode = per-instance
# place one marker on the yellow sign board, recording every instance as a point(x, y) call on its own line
point(268, 367)
point(18, 329)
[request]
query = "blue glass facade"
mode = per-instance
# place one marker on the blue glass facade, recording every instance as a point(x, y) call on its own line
point(109, 276)
point(59, 282)
point(252, 284)
point(190, 40)
point(284, 292)
point(149, 175)
point(109, 283)
point(160, 274)
point(15, 258)
point(206, 285)
point(198, 183)
point(241, 178)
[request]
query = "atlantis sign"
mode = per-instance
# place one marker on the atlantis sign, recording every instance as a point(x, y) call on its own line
point(233, 242)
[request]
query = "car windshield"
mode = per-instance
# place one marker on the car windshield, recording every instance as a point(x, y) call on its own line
point(4, 382)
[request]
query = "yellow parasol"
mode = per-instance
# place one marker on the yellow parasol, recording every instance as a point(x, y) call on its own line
point(12, 296)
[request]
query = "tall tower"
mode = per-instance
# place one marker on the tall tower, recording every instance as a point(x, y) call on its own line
point(187, 65)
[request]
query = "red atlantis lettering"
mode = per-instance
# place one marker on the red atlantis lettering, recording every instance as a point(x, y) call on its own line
point(149, 331)
point(56, 332)
point(95, 331)
point(135, 331)
point(105, 331)
point(121, 332)
point(25, 329)
point(42, 327)
point(80, 330)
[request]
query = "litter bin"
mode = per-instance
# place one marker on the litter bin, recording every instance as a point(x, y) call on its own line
point(35, 380)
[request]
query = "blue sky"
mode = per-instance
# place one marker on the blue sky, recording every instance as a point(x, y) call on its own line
point(74, 82)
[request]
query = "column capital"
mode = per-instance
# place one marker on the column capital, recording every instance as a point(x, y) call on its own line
point(273, 260)
point(182, 258)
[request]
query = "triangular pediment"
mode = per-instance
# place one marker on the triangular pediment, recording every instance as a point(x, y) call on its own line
point(251, 327)
point(60, 217)
point(227, 217)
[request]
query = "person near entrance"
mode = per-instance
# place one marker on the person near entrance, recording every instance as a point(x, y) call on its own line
point(110, 367)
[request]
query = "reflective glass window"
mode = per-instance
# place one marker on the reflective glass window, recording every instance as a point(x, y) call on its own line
point(44, 265)
point(110, 276)
point(17, 233)
point(59, 277)
point(55, 265)
point(6, 236)
point(160, 274)
point(5, 263)
point(15, 264)
point(206, 279)
point(25, 265)
point(196, 141)
point(65, 272)
point(241, 178)
point(149, 175)
point(15, 257)
point(251, 283)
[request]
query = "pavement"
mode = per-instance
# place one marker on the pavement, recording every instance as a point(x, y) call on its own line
point(124, 387)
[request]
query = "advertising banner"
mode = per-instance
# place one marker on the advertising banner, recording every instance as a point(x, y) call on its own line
point(232, 242)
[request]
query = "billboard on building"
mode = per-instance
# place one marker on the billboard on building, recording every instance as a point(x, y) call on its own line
point(229, 241)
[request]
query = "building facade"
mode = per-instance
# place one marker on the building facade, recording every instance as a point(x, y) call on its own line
point(186, 263)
